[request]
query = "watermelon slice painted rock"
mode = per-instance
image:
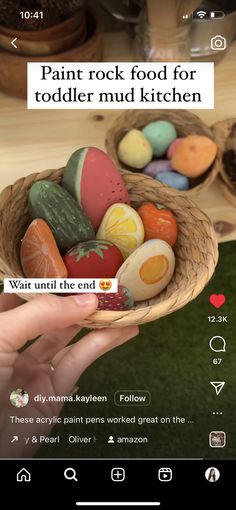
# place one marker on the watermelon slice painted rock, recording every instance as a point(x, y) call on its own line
point(52, 203)
point(118, 301)
point(92, 178)
point(93, 259)
point(40, 257)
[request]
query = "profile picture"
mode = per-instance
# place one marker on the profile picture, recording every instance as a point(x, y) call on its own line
point(19, 398)
point(217, 439)
point(212, 474)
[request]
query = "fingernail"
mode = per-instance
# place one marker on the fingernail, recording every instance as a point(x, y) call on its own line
point(85, 299)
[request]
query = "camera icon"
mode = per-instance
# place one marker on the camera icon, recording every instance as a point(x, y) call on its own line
point(218, 43)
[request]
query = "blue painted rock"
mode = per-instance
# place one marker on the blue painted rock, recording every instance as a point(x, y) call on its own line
point(118, 301)
point(160, 134)
point(134, 149)
point(156, 166)
point(93, 259)
point(148, 270)
point(94, 181)
point(53, 204)
point(173, 179)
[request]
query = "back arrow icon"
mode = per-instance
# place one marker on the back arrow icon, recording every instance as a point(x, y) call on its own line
point(13, 42)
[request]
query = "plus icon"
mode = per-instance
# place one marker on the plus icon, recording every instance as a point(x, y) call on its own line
point(118, 474)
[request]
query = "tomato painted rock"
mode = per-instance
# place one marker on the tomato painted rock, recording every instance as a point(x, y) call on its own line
point(194, 155)
point(52, 203)
point(40, 257)
point(118, 301)
point(158, 223)
point(93, 259)
point(122, 226)
point(134, 149)
point(95, 182)
point(148, 270)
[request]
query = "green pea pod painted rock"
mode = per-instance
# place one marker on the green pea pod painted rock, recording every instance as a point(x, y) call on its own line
point(52, 203)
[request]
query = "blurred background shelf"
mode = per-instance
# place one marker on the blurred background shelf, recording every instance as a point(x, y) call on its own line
point(34, 140)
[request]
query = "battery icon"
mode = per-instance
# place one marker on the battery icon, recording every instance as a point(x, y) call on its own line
point(217, 14)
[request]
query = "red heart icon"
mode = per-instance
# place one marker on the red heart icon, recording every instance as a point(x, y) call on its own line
point(217, 300)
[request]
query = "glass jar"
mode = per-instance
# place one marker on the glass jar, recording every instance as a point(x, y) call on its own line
point(157, 45)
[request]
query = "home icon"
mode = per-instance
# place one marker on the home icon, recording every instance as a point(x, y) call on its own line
point(23, 476)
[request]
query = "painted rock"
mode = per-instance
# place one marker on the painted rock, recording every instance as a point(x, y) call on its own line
point(158, 223)
point(121, 300)
point(93, 259)
point(194, 155)
point(134, 149)
point(173, 146)
point(148, 270)
point(173, 179)
point(160, 135)
point(122, 226)
point(156, 166)
point(40, 257)
point(52, 203)
point(94, 181)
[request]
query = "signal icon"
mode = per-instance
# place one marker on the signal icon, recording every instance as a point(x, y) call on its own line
point(201, 14)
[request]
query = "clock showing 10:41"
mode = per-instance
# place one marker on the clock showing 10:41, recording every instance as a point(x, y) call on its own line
point(29, 14)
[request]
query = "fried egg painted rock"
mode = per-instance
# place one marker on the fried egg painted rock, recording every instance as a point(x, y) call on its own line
point(148, 270)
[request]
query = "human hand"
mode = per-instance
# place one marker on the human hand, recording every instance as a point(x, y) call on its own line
point(48, 366)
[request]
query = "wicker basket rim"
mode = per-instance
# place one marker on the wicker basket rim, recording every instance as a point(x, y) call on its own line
point(159, 309)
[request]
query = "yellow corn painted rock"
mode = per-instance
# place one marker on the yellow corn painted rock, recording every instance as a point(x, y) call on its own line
point(148, 270)
point(122, 226)
point(135, 150)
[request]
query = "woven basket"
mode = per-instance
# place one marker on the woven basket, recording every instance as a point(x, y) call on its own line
point(223, 136)
point(196, 249)
point(186, 123)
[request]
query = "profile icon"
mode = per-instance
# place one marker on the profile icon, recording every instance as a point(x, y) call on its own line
point(111, 440)
point(19, 398)
point(212, 474)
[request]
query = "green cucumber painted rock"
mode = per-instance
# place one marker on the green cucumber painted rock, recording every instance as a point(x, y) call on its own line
point(52, 203)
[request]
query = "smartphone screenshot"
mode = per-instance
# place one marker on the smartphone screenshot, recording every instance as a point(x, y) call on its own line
point(117, 253)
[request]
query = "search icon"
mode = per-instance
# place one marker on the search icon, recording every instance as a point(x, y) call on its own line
point(70, 474)
point(217, 344)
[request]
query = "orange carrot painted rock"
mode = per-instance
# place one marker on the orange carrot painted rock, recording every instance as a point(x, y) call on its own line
point(40, 257)
point(159, 223)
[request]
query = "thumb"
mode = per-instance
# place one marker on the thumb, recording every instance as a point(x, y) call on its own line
point(41, 315)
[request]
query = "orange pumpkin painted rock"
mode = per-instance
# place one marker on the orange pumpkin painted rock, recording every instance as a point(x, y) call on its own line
point(40, 257)
point(159, 223)
point(194, 155)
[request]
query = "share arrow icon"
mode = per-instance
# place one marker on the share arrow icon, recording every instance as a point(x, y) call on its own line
point(218, 385)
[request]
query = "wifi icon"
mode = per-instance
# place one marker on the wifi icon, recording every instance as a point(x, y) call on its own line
point(201, 14)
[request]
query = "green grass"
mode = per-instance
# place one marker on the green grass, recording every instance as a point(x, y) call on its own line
point(172, 360)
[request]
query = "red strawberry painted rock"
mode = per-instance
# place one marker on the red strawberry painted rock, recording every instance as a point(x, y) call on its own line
point(118, 301)
point(92, 178)
point(93, 259)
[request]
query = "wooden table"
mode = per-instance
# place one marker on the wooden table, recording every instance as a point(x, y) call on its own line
point(34, 140)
